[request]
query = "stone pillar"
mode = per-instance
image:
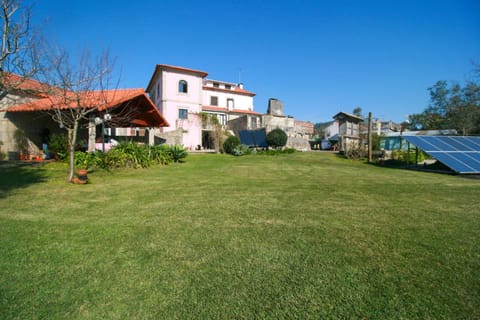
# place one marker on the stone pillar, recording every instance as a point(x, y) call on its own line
point(92, 133)
point(151, 136)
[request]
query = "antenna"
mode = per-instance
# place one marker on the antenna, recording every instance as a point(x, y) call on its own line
point(239, 75)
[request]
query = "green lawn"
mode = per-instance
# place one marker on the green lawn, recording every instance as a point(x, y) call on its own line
point(300, 236)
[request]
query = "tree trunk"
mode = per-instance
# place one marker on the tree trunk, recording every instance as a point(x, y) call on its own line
point(370, 147)
point(72, 140)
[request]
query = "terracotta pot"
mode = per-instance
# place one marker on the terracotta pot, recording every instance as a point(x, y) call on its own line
point(82, 172)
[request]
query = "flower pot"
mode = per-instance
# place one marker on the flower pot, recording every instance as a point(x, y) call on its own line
point(81, 177)
point(82, 172)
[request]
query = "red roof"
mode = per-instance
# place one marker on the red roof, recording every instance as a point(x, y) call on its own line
point(246, 112)
point(16, 82)
point(220, 109)
point(237, 90)
point(145, 111)
point(213, 108)
point(166, 67)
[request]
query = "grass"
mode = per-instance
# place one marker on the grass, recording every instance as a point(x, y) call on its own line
point(301, 236)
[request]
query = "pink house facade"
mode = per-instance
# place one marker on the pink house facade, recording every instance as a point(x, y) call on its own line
point(181, 94)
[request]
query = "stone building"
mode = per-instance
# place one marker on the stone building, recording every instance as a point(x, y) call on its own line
point(348, 130)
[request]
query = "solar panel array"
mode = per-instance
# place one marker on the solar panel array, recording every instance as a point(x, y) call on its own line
point(254, 138)
point(461, 154)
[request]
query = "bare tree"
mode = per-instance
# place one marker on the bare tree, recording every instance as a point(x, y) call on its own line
point(19, 46)
point(77, 90)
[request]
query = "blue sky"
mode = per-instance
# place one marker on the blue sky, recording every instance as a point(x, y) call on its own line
point(318, 57)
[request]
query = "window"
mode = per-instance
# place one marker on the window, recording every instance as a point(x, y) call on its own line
point(182, 114)
point(182, 86)
point(213, 101)
point(216, 85)
point(228, 87)
point(222, 119)
point(253, 123)
point(230, 104)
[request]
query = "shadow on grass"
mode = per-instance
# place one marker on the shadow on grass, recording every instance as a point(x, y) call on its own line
point(17, 176)
point(436, 167)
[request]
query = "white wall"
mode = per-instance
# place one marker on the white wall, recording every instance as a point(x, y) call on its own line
point(241, 102)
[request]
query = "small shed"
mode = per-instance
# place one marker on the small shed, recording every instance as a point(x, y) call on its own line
point(348, 130)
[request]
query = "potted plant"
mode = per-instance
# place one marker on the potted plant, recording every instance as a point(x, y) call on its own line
point(2, 154)
point(83, 161)
point(21, 141)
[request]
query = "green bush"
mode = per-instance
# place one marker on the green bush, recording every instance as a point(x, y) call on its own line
point(356, 152)
point(277, 138)
point(403, 155)
point(2, 154)
point(241, 150)
point(21, 141)
point(178, 153)
point(85, 160)
point(160, 154)
point(230, 144)
point(58, 146)
point(128, 154)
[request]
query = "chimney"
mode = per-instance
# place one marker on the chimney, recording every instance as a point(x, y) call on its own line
point(240, 85)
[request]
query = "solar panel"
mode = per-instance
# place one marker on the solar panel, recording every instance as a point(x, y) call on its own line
point(461, 154)
point(253, 138)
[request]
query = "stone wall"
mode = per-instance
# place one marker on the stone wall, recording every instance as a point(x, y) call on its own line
point(237, 124)
point(298, 143)
point(303, 129)
point(271, 122)
point(171, 137)
point(275, 107)
point(33, 124)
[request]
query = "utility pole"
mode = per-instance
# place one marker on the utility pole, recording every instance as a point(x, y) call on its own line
point(370, 137)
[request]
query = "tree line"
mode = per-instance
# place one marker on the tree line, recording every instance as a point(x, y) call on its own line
point(451, 106)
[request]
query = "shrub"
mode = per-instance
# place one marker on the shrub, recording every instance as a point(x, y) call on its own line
point(178, 153)
point(277, 138)
point(128, 154)
point(402, 155)
point(160, 154)
point(241, 150)
point(21, 141)
point(85, 160)
point(356, 152)
point(58, 146)
point(2, 154)
point(230, 144)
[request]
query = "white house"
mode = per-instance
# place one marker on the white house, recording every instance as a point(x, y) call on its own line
point(181, 94)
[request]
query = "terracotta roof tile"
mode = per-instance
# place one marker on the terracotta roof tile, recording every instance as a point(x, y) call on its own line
point(149, 116)
point(220, 109)
point(101, 99)
point(160, 67)
point(236, 91)
point(11, 80)
point(214, 108)
point(246, 112)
